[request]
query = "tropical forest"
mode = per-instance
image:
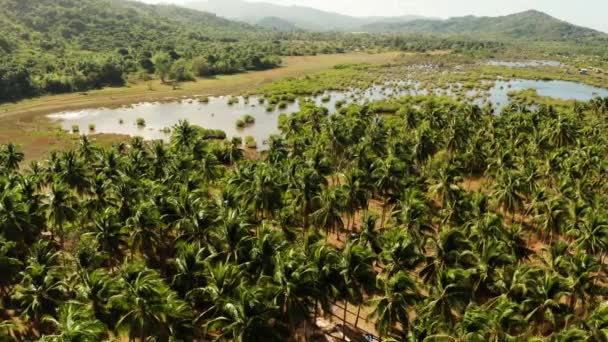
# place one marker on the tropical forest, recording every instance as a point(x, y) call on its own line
point(256, 172)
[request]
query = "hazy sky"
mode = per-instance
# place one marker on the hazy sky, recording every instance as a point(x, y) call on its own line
point(590, 13)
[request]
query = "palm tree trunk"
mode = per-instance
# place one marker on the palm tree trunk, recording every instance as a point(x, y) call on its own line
point(344, 321)
point(142, 334)
point(383, 214)
point(358, 313)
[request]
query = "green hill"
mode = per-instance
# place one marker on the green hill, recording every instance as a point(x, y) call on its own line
point(277, 24)
point(98, 25)
point(56, 46)
point(529, 25)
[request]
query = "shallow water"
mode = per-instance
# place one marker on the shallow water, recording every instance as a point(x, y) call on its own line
point(217, 114)
point(557, 89)
point(525, 64)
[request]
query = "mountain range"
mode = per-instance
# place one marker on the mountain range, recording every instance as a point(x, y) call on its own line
point(305, 18)
point(528, 25)
point(531, 24)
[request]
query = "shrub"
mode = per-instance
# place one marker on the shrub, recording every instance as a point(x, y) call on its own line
point(250, 142)
point(326, 98)
point(213, 134)
point(141, 122)
point(75, 129)
point(250, 120)
point(91, 127)
point(240, 123)
point(201, 67)
point(203, 99)
point(237, 141)
point(282, 105)
point(180, 72)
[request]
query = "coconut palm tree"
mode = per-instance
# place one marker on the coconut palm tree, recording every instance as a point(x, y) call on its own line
point(331, 203)
point(60, 210)
point(75, 323)
point(11, 157)
point(399, 293)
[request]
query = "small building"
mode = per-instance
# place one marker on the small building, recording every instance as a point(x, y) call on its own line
point(584, 71)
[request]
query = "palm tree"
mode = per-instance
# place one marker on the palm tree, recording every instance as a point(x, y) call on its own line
point(184, 135)
point(294, 287)
point(246, 318)
point(507, 192)
point(60, 210)
point(75, 323)
point(592, 234)
point(42, 288)
point(73, 172)
point(399, 293)
point(148, 307)
point(331, 202)
point(110, 235)
point(358, 276)
point(444, 185)
point(11, 157)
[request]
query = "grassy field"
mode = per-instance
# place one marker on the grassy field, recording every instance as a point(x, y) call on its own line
point(24, 123)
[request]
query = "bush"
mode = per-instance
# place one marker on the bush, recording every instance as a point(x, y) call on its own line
point(15, 83)
point(140, 122)
point(203, 99)
point(75, 129)
point(250, 120)
point(250, 142)
point(91, 127)
point(240, 123)
point(282, 105)
point(201, 67)
point(213, 134)
point(180, 71)
point(238, 141)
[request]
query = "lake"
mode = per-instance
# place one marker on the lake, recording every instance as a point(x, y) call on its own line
point(218, 114)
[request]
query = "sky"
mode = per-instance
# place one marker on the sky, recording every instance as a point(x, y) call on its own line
point(589, 13)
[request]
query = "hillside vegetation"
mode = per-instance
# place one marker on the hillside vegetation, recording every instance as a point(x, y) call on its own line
point(530, 25)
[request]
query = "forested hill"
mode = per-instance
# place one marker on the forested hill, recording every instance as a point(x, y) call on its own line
point(98, 25)
point(56, 46)
point(530, 25)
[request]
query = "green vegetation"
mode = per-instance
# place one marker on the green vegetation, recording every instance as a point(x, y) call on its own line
point(428, 218)
point(441, 209)
point(246, 121)
point(141, 122)
point(529, 25)
point(250, 142)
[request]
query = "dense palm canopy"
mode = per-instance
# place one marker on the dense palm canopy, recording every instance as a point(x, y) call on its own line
point(187, 240)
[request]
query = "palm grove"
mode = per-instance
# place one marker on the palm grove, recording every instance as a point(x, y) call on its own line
point(189, 240)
